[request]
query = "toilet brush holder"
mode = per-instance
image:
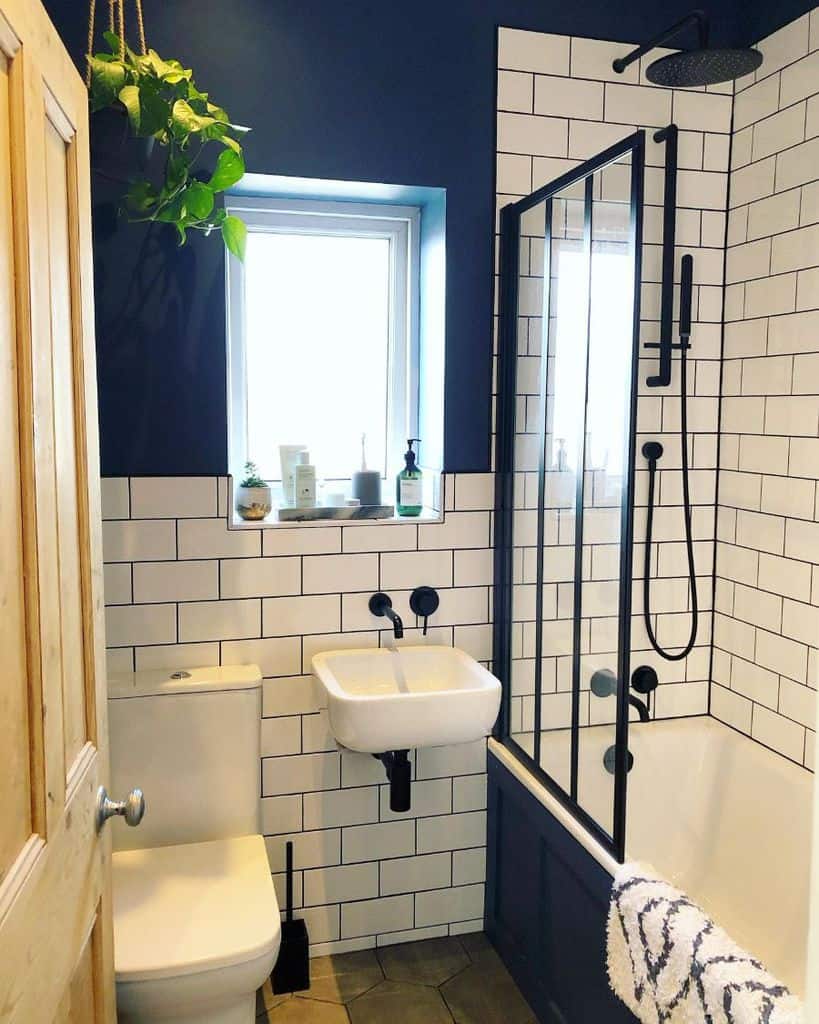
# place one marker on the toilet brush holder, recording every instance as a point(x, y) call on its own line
point(292, 970)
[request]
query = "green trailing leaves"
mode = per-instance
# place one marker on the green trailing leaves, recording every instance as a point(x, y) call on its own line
point(129, 98)
point(234, 233)
point(163, 103)
point(107, 78)
point(199, 200)
point(229, 169)
point(186, 121)
point(141, 196)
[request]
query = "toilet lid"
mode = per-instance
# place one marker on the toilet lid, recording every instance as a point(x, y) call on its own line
point(196, 907)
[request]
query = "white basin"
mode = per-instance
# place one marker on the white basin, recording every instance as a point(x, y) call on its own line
point(398, 699)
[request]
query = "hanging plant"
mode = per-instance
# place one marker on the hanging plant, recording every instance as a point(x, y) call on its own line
point(163, 104)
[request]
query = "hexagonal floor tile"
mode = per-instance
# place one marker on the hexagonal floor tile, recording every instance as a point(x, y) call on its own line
point(476, 945)
point(486, 994)
point(399, 1002)
point(426, 963)
point(340, 978)
point(306, 1011)
point(266, 1000)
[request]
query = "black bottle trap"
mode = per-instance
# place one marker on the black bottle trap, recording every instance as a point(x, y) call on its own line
point(292, 970)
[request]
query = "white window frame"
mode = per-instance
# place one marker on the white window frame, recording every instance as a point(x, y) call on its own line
point(401, 226)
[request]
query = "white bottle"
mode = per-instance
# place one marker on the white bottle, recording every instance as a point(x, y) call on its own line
point(305, 477)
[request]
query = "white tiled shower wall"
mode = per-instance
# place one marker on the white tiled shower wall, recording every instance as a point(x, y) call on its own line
point(183, 590)
point(767, 603)
point(559, 103)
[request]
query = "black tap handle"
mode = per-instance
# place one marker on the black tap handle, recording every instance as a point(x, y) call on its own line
point(424, 602)
point(686, 290)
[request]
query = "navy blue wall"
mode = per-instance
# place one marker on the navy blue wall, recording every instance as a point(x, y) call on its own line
point(371, 90)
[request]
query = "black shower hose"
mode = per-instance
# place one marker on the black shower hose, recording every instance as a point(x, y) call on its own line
point(656, 451)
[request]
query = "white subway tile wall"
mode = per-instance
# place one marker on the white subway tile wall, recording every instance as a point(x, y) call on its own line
point(766, 629)
point(182, 590)
point(558, 119)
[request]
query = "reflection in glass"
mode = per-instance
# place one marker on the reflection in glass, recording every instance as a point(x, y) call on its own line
point(608, 400)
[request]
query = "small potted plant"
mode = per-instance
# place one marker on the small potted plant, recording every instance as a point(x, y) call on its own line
point(253, 498)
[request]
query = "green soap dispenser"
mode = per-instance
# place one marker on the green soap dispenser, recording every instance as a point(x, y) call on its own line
point(408, 485)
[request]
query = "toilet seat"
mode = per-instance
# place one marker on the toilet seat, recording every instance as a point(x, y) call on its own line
point(197, 907)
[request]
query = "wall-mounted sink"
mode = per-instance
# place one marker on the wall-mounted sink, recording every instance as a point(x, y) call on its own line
point(399, 698)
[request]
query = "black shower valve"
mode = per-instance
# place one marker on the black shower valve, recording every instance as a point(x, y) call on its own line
point(644, 679)
point(424, 602)
point(653, 451)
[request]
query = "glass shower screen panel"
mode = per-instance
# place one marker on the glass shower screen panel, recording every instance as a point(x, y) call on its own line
point(566, 394)
point(605, 565)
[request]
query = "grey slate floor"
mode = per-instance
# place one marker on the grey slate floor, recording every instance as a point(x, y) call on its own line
point(438, 981)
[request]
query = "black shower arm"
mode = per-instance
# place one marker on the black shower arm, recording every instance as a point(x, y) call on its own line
point(697, 18)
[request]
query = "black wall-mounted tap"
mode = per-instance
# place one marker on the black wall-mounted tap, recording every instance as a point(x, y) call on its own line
point(381, 606)
point(424, 602)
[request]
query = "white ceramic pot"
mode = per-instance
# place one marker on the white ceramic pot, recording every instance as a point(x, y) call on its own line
point(254, 502)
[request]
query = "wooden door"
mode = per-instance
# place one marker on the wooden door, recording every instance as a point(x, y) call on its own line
point(56, 952)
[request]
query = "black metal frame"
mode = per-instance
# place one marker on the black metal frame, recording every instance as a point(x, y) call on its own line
point(666, 343)
point(504, 487)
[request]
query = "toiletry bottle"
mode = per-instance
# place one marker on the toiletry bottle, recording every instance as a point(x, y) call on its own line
point(366, 483)
point(408, 486)
point(289, 455)
point(305, 482)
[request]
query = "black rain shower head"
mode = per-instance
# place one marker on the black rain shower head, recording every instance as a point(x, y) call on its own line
point(690, 68)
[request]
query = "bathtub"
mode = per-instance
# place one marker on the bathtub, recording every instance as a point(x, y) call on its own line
point(720, 816)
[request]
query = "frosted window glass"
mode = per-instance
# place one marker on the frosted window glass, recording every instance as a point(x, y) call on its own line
point(317, 336)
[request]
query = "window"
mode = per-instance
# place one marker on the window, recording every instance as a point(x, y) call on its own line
point(323, 322)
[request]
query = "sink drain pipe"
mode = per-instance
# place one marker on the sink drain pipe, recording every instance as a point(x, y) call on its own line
point(399, 770)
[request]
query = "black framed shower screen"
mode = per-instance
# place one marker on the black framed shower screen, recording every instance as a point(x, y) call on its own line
point(580, 180)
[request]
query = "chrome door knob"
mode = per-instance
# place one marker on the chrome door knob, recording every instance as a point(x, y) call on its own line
point(132, 808)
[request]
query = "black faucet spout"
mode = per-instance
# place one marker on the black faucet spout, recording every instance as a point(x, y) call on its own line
point(397, 624)
point(381, 606)
point(641, 707)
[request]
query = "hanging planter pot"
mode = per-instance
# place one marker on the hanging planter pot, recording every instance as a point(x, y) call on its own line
point(164, 112)
point(116, 152)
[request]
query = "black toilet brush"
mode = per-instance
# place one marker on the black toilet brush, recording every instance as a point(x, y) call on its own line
point(292, 970)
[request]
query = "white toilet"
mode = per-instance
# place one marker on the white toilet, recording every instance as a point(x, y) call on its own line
point(196, 921)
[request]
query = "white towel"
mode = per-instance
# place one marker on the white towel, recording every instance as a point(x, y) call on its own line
point(671, 964)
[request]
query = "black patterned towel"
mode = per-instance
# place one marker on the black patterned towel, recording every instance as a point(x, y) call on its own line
point(671, 964)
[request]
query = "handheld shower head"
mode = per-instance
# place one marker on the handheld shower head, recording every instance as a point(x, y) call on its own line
point(689, 68)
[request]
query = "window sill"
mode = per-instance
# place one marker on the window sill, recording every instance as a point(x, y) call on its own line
point(428, 515)
point(432, 512)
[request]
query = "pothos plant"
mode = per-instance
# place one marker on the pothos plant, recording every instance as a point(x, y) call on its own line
point(163, 103)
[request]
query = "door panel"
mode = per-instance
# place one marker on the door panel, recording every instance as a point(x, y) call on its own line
point(70, 539)
point(79, 1001)
point(15, 793)
point(56, 951)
